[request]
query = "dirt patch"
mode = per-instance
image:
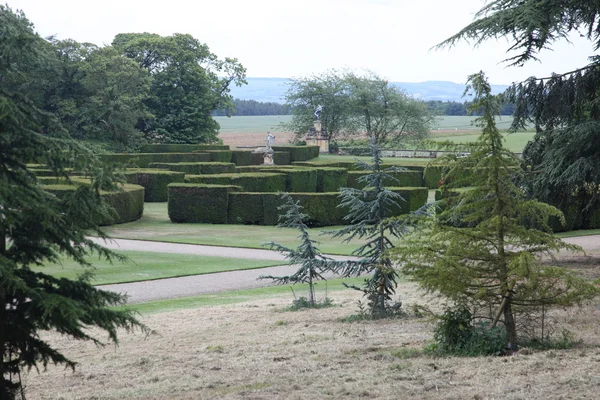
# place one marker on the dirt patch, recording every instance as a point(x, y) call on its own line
point(257, 351)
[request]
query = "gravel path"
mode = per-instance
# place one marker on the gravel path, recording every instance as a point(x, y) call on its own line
point(226, 281)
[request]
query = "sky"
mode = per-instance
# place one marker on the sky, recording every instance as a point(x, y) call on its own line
point(287, 39)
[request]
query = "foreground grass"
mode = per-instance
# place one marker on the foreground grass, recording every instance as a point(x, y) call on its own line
point(143, 266)
point(241, 296)
point(156, 226)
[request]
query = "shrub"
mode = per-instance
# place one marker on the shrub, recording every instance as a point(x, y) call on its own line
point(281, 158)
point(299, 153)
point(322, 208)
point(349, 165)
point(250, 182)
point(298, 179)
point(246, 208)
point(331, 179)
point(258, 158)
point(241, 157)
point(403, 178)
point(190, 202)
point(219, 155)
point(414, 198)
point(141, 160)
point(154, 182)
point(197, 168)
point(181, 148)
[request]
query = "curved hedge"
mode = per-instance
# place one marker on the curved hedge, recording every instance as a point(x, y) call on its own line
point(181, 148)
point(197, 168)
point(189, 202)
point(404, 179)
point(128, 204)
point(250, 182)
point(331, 179)
point(141, 160)
point(299, 153)
point(155, 182)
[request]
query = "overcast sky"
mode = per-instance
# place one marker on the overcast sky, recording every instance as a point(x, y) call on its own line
point(283, 38)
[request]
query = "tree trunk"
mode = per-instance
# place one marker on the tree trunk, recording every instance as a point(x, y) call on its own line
point(311, 291)
point(511, 327)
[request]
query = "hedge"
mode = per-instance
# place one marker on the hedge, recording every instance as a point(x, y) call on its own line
point(197, 168)
point(142, 160)
point(414, 198)
point(298, 179)
point(247, 208)
point(261, 168)
point(331, 179)
point(128, 204)
point(48, 171)
point(241, 157)
point(258, 158)
point(155, 182)
point(322, 208)
point(404, 179)
point(282, 158)
point(219, 155)
point(189, 202)
point(181, 148)
point(250, 182)
point(349, 165)
point(299, 153)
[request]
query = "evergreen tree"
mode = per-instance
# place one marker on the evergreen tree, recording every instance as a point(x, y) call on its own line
point(564, 157)
point(482, 250)
point(370, 213)
point(312, 264)
point(37, 228)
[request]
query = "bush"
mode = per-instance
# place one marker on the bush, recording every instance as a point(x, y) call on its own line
point(250, 182)
point(349, 165)
point(219, 155)
point(260, 168)
point(258, 158)
point(331, 179)
point(299, 153)
point(281, 158)
point(190, 202)
point(414, 198)
point(128, 204)
point(241, 157)
point(404, 179)
point(322, 208)
point(197, 168)
point(246, 208)
point(181, 148)
point(154, 182)
point(298, 179)
point(141, 160)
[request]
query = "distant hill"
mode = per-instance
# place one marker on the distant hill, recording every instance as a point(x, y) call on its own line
point(273, 89)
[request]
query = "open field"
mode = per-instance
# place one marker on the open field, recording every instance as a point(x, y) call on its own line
point(143, 266)
point(254, 350)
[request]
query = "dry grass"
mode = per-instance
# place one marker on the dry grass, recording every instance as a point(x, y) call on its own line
point(256, 351)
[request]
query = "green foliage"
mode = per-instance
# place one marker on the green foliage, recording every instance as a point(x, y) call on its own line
point(312, 264)
point(154, 182)
point(404, 178)
point(299, 153)
point(181, 148)
point(250, 182)
point(142, 160)
point(188, 83)
point(219, 155)
point(322, 208)
point(282, 158)
point(331, 179)
point(37, 227)
point(190, 202)
point(297, 179)
point(241, 157)
point(481, 249)
point(302, 303)
point(196, 167)
point(349, 165)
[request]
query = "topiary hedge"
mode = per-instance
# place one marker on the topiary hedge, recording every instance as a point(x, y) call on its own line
point(258, 158)
point(197, 168)
point(414, 198)
point(247, 208)
point(181, 148)
point(331, 179)
point(142, 160)
point(282, 158)
point(404, 179)
point(128, 204)
point(241, 157)
point(190, 202)
point(349, 165)
point(219, 155)
point(298, 179)
point(322, 208)
point(249, 182)
point(299, 153)
point(155, 182)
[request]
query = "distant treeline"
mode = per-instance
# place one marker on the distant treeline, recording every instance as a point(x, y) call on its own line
point(253, 107)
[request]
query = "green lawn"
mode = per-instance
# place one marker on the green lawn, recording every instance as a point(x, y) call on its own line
point(145, 266)
point(155, 225)
point(513, 141)
point(240, 296)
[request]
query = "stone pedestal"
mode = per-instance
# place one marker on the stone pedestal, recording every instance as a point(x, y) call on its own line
point(317, 137)
point(268, 157)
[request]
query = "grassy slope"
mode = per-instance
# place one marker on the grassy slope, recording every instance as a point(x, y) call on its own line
point(144, 266)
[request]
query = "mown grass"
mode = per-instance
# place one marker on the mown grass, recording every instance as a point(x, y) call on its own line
point(241, 296)
point(143, 266)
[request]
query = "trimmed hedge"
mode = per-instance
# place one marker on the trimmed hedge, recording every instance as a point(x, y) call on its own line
point(241, 157)
point(250, 182)
point(219, 155)
point(299, 153)
point(260, 168)
point(142, 160)
point(247, 208)
point(181, 148)
point(257, 158)
point(349, 165)
point(189, 202)
point(404, 179)
point(155, 182)
point(128, 204)
point(298, 179)
point(322, 208)
point(414, 198)
point(197, 168)
point(331, 179)
point(282, 158)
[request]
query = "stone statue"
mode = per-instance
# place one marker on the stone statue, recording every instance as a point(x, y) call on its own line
point(318, 112)
point(270, 140)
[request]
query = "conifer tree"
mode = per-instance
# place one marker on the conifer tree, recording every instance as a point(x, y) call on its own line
point(312, 264)
point(370, 213)
point(482, 250)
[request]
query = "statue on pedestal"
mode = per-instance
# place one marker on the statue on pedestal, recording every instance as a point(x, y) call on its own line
point(318, 112)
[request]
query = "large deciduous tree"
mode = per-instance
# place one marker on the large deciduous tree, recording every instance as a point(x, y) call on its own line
point(188, 84)
point(483, 250)
point(564, 157)
point(36, 227)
